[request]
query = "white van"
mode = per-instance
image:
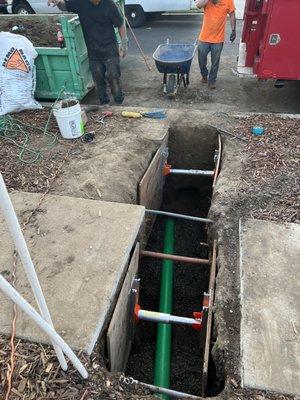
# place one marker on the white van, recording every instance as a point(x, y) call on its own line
point(138, 11)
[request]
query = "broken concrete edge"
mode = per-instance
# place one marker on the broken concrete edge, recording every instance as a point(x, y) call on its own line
point(104, 321)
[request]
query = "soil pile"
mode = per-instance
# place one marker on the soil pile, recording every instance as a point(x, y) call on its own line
point(40, 34)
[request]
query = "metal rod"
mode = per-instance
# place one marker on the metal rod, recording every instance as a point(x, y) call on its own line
point(17, 235)
point(153, 316)
point(173, 257)
point(221, 130)
point(180, 216)
point(171, 393)
point(200, 172)
point(135, 39)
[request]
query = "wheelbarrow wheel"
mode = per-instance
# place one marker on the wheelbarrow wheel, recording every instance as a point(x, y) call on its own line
point(171, 85)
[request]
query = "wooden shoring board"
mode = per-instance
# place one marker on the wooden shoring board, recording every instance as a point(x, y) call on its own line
point(119, 333)
point(211, 291)
point(150, 189)
point(218, 164)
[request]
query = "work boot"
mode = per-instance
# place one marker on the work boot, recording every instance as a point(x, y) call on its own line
point(104, 99)
point(117, 91)
point(211, 85)
point(204, 79)
point(119, 100)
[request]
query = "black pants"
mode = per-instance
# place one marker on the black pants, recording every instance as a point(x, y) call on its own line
point(107, 70)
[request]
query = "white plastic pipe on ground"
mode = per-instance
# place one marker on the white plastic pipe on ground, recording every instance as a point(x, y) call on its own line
point(22, 249)
point(11, 292)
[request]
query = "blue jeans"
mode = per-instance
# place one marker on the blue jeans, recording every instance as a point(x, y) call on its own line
point(215, 50)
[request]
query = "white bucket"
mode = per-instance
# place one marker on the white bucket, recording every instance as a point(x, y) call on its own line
point(69, 120)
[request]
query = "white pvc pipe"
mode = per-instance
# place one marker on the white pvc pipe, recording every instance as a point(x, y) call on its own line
point(200, 172)
point(21, 246)
point(11, 292)
point(154, 316)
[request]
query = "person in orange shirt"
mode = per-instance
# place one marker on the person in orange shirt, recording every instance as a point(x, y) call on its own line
point(212, 35)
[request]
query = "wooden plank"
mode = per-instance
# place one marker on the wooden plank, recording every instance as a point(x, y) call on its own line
point(119, 335)
point(211, 291)
point(218, 164)
point(150, 189)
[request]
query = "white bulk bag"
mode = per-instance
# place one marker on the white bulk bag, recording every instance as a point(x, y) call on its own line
point(17, 74)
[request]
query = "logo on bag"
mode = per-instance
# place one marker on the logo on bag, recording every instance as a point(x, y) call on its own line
point(16, 59)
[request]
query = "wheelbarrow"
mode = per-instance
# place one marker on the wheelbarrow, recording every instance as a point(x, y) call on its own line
point(174, 62)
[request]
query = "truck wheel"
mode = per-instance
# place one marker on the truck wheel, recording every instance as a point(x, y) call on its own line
point(23, 9)
point(135, 15)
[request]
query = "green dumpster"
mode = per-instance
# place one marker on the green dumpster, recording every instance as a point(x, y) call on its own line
point(66, 68)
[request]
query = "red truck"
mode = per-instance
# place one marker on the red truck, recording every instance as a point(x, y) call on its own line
point(270, 43)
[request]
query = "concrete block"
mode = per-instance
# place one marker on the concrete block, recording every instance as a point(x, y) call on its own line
point(80, 249)
point(270, 300)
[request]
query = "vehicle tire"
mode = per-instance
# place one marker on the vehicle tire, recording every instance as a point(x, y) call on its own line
point(171, 85)
point(23, 8)
point(135, 15)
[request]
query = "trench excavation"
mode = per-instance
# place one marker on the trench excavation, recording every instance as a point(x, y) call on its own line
point(172, 355)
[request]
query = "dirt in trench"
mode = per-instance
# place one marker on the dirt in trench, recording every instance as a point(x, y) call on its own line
point(190, 282)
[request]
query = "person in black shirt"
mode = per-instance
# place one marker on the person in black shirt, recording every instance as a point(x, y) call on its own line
point(98, 19)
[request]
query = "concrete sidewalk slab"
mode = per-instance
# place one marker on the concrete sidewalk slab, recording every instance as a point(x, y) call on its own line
point(80, 249)
point(270, 303)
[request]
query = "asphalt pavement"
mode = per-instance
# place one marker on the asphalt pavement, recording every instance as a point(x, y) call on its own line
point(233, 93)
point(178, 29)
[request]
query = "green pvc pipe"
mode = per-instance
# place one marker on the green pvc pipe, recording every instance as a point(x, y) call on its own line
point(162, 366)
